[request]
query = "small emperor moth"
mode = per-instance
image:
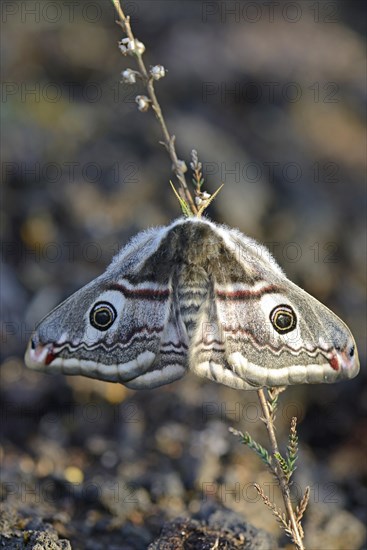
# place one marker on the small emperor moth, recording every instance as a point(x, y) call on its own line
point(194, 296)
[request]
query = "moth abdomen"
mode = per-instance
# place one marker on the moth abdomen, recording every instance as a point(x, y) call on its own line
point(190, 301)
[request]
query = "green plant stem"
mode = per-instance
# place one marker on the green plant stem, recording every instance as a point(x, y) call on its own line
point(283, 482)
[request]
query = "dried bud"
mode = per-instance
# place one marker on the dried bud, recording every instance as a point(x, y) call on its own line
point(123, 45)
point(139, 46)
point(128, 46)
point(157, 72)
point(128, 76)
point(198, 201)
point(143, 102)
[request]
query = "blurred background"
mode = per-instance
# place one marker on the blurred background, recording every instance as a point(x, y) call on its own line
point(272, 95)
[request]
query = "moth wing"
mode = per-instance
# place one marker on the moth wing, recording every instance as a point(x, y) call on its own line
point(151, 311)
point(165, 347)
point(223, 340)
point(219, 339)
point(235, 342)
point(145, 345)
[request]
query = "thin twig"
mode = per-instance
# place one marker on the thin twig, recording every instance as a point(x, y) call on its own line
point(301, 508)
point(178, 166)
point(280, 516)
point(283, 482)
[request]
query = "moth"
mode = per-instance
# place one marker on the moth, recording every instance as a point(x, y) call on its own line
point(194, 296)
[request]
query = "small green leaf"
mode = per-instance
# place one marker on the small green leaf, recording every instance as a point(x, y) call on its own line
point(257, 448)
point(292, 448)
point(184, 206)
point(283, 464)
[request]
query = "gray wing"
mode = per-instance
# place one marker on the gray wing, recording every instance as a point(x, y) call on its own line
point(236, 342)
point(144, 345)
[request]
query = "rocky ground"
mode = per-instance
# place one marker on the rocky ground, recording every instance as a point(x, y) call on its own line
point(275, 108)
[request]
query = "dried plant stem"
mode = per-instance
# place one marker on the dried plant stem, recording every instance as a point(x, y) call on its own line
point(283, 482)
point(281, 467)
point(178, 166)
